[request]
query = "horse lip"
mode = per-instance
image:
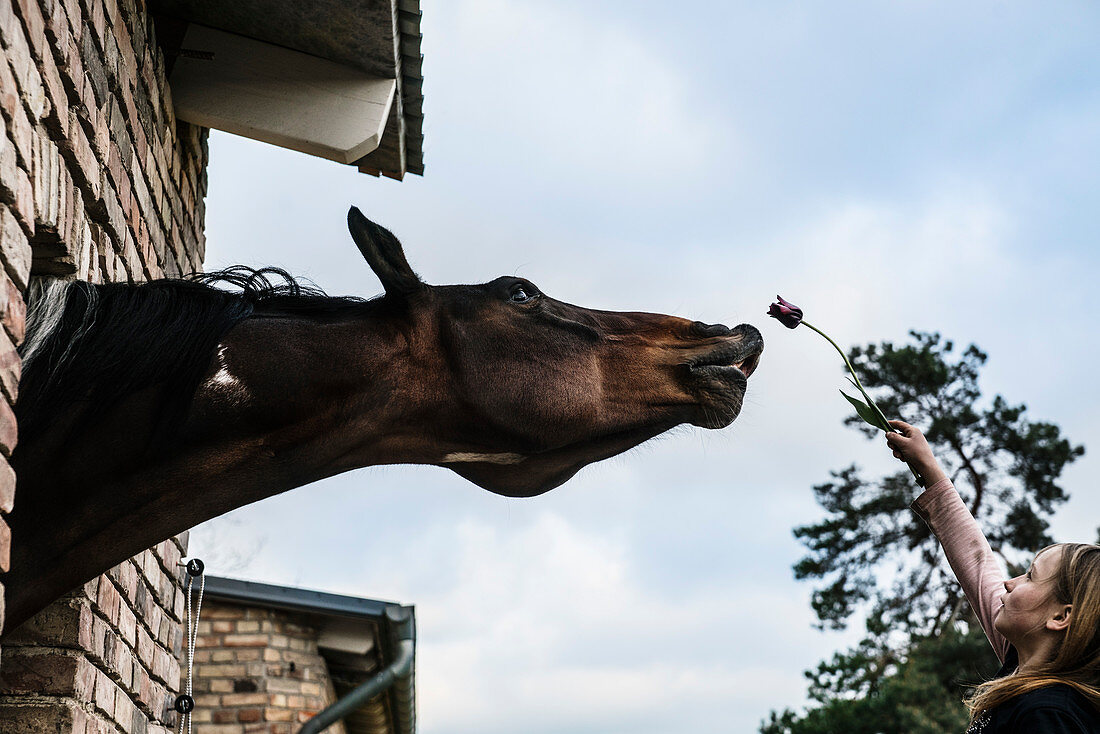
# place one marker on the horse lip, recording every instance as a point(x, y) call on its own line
point(744, 357)
point(748, 364)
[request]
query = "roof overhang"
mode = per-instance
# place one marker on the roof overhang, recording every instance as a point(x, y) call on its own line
point(339, 79)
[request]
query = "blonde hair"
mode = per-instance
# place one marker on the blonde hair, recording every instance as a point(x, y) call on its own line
point(1076, 661)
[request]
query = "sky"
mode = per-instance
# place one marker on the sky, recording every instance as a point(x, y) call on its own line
point(887, 166)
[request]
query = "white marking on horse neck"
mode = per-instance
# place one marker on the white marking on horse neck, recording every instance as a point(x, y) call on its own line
point(466, 457)
point(224, 383)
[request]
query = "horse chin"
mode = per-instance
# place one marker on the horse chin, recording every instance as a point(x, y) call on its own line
point(539, 473)
point(513, 481)
point(721, 393)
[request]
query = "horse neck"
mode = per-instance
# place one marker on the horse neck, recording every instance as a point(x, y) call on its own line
point(328, 396)
point(286, 401)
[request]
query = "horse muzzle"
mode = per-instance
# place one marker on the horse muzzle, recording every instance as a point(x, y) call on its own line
point(719, 376)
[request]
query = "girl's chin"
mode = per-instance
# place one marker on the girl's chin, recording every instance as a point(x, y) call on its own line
point(998, 617)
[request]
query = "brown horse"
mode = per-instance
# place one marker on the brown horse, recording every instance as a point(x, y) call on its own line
point(147, 409)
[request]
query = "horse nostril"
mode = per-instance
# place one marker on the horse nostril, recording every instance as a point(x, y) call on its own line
point(708, 330)
point(747, 331)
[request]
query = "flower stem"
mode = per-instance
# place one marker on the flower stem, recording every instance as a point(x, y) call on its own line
point(885, 423)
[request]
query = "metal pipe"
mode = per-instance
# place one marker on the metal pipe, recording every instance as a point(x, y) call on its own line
point(401, 667)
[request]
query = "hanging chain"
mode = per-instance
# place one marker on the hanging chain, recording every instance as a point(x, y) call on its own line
point(185, 702)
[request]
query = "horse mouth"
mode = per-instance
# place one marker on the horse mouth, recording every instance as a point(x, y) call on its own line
point(720, 377)
point(744, 364)
point(742, 356)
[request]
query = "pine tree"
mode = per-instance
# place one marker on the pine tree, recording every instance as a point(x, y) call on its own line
point(873, 556)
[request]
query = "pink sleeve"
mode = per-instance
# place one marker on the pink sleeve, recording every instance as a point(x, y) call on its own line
point(968, 552)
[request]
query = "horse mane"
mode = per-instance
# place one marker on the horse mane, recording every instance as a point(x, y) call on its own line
point(88, 346)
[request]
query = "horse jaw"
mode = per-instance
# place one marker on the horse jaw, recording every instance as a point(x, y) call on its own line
point(538, 473)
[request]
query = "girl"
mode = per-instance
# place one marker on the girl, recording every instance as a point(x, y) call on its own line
point(1044, 625)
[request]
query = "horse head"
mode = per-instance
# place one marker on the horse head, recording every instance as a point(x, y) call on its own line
point(526, 390)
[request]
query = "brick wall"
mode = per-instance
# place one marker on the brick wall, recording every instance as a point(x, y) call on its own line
point(105, 657)
point(97, 181)
point(258, 670)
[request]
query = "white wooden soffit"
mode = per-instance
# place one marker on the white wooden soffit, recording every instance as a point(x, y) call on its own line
point(280, 96)
point(350, 636)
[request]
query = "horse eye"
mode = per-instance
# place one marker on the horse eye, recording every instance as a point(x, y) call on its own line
point(519, 295)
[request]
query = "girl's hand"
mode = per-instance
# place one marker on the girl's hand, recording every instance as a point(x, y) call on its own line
point(910, 446)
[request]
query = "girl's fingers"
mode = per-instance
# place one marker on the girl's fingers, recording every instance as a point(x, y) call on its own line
point(895, 440)
point(902, 427)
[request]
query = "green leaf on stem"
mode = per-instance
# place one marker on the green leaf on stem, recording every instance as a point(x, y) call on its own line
point(866, 412)
point(872, 405)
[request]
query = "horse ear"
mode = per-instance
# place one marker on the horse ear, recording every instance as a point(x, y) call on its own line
point(384, 255)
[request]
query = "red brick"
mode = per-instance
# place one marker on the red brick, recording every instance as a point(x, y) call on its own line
point(7, 486)
point(15, 249)
point(35, 718)
point(225, 716)
point(90, 590)
point(21, 132)
point(57, 25)
point(246, 641)
point(10, 368)
point(82, 161)
point(98, 22)
point(109, 602)
point(145, 648)
point(111, 14)
point(163, 664)
point(127, 624)
point(273, 714)
point(57, 115)
point(247, 716)
point(128, 580)
point(5, 545)
point(9, 95)
point(75, 13)
point(102, 132)
point(8, 166)
point(8, 433)
point(23, 206)
point(14, 317)
point(101, 632)
point(105, 691)
point(47, 672)
point(123, 664)
point(72, 67)
point(35, 26)
point(124, 710)
point(60, 624)
point(21, 57)
point(244, 699)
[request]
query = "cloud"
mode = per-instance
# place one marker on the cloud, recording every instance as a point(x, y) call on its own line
point(546, 627)
point(554, 93)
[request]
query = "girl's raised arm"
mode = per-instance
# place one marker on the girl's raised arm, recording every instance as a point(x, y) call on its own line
point(963, 542)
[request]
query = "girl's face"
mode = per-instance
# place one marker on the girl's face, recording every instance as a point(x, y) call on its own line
point(1028, 603)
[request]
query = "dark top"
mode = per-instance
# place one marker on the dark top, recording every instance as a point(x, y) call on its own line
point(1057, 709)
